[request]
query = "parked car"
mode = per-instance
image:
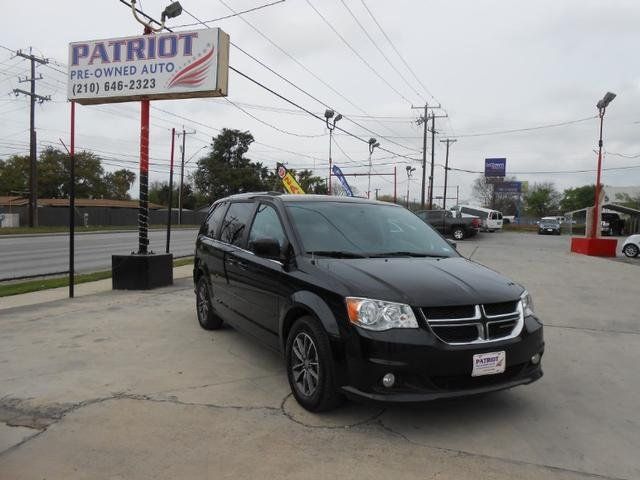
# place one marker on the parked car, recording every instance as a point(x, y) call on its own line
point(445, 222)
point(549, 226)
point(363, 299)
point(631, 246)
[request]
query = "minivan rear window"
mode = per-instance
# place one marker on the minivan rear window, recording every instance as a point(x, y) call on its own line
point(235, 223)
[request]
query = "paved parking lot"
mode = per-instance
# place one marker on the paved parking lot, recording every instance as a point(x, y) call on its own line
point(125, 385)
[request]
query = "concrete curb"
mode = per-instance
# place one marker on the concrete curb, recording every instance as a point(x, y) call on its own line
point(81, 290)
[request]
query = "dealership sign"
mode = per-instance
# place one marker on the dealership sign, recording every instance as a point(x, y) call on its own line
point(495, 167)
point(157, 66)
point(508, 187)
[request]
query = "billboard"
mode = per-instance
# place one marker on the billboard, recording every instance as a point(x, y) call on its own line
point(157, 66)
point(508, 187)
point(495, 167)
point(340, 176)
point(290, 183)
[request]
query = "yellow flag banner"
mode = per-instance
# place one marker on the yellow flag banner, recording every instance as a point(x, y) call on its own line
point(290, 183)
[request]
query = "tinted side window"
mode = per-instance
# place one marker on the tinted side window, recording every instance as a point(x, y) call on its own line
point(214, 220)
point(267, 225)
point(235, 223)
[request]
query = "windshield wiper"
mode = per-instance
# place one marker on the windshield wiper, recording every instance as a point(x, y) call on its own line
point(336, 254)
point(406, 254)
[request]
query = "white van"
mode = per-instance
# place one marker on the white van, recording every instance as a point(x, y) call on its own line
point(491, 219)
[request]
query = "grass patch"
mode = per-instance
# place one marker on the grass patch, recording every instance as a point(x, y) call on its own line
point(79, 229)
point(47, 283)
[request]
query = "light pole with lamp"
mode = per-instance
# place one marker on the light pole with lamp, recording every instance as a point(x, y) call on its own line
point(328, 115)
point(373, 144)
point(602, 106)
point(410, 171)
point(592, 243)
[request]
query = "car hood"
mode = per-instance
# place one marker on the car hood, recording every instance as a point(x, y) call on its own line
point(423, 282)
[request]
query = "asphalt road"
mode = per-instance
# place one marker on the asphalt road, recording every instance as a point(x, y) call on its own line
point(126, 385)
point(42, 254)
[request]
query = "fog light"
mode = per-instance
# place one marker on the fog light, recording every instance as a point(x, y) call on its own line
point(535, 359)
point(388, 380)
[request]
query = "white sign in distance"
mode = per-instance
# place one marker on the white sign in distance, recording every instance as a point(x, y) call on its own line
point(187, 64)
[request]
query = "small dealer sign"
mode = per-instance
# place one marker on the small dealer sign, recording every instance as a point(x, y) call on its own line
point(152, 67)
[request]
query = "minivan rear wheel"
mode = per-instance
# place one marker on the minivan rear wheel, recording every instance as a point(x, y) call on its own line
point(206, 317)
point(310, 367)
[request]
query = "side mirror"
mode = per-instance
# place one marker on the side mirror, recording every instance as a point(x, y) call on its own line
point(453, 243)
point(267, 248)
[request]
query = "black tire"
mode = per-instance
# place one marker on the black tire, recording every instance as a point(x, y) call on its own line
point(458, 233)
point(319, 393)
point(206, 317)
point(631, 250)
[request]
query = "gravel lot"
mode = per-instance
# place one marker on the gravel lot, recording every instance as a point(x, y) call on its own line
point(125, 385)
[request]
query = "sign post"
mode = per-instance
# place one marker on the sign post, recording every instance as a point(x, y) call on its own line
point(152, 66)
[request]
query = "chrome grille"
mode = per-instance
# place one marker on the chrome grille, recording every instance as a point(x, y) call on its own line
point(468, 324)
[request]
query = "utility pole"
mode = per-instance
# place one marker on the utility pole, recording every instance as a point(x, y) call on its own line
point(433, 151)
point(184, 139)
point(424, 120)
point(448, 141)
point(33, 97)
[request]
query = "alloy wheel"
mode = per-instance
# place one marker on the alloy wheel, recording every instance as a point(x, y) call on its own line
point(203, 302)
point(630, 250)
point(304, 364)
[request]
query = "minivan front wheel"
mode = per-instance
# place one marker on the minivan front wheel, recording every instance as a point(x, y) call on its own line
point(310, 368)
point(206, 317)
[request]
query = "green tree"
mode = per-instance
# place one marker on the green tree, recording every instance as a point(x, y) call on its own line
point(118, 183)
point(542, 199)
point(54, 174)
point(311, 183)
point(14, 175)
point(159, 194)
point(226, 170)
point(577, 198)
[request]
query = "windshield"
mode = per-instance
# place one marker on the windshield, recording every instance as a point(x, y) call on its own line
point(344, 229)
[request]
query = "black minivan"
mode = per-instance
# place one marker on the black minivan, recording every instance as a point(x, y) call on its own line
point(363, 298)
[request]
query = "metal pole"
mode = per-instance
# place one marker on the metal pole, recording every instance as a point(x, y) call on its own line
point(395, 185)
point(143, 211)
point(448, 141)
point(330, 142)
point(369, 184)
point(184, 138)
point(457, 195)
point(596, 209)
point(433, 151)
point(72, 200)
point(173, 139)
point(33, 172)
point(424, 156)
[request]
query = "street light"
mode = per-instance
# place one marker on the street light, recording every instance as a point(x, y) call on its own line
point(328, 115)
point(172, 11)
point(373, 144)
point(410, 171)
point(601, 106)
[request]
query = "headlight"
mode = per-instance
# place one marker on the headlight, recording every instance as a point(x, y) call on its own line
point(527, 303)
point(379, 315)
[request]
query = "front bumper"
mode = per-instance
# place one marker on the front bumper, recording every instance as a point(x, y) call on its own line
point(427, 368)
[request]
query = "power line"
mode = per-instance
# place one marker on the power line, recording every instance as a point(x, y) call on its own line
point(375, 44)
point(308, 111)
point(355, 52)
point(205, 22)
point(271, 125)
point(397, 52)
